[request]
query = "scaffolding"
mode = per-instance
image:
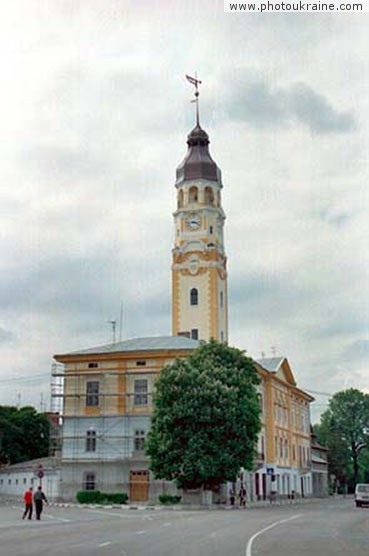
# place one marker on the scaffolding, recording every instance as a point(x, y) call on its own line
point(108, 436)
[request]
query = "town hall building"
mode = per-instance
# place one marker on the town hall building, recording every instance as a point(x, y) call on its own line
point(106, 391)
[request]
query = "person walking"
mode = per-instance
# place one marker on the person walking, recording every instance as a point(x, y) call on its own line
point(242, 497)
point(39, 498)
point(28, 506)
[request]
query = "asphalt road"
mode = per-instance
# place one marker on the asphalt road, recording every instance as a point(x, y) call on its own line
point(322, 528)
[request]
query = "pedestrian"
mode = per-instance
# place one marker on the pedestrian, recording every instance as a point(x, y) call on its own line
point(27, 497)
point(242, 497)
point(39, 498)
point(232, 497)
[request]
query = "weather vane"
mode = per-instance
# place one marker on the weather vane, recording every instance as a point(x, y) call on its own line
point(196, 82)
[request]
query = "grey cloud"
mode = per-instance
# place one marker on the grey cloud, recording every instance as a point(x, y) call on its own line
point(261, 106)
point(6, 336)
point(338, 327)
point(87, 290)
point(314, 110)
point(258, 295)
point(357, 350)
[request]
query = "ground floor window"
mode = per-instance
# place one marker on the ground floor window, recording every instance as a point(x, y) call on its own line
point(89, 481)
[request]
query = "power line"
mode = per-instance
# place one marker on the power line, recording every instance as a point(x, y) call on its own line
point(316, 392)
point(38, 378)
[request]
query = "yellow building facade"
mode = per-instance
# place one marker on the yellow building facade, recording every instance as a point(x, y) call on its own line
point(199, 268)
point(105, 399)
point(284, 454)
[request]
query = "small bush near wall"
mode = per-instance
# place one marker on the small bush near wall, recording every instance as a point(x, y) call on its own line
point(169, 499)
point(117, 497)
point(97, 497)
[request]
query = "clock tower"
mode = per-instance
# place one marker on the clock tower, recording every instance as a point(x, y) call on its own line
point(199, 271)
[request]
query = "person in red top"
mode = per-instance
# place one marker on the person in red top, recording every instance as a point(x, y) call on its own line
point(27, 497)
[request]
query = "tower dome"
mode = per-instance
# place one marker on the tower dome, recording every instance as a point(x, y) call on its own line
point(198, 163)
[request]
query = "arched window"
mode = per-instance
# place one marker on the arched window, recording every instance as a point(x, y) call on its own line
point(209, 196)
point(180, 199)
point(194, 296)
point(193, 195)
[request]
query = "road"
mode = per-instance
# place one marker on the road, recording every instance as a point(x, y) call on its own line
point(328, 527)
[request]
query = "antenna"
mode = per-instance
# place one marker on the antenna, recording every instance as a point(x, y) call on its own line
point(121, 321)
point(113, 326)
point(273, 350)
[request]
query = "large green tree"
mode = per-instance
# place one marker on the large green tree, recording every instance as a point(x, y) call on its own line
point(206, 418)
point(24, 434)
point(344, 429)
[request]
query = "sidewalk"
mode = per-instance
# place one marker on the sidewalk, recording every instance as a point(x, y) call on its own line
point(4, 500)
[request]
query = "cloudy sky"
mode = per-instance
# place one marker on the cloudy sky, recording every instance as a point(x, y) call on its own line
point(94, 114)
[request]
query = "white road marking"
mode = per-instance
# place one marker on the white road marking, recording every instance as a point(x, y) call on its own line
point(122, 516)
point(251, 540)
point(105, 543)
point(140, 532)
point(166, 525)
point(57, 518)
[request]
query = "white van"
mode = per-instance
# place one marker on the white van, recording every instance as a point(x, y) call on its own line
point(361, 495)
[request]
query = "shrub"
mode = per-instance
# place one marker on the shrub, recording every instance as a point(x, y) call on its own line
point(169, 499)
point(97, 497)
point(88, 496)
point(117, 497)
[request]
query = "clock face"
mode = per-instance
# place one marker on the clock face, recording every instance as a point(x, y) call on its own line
point(193, 221)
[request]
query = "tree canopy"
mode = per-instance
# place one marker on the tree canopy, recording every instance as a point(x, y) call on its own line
point(344, 429)
point(206, 418)
point(24, 434)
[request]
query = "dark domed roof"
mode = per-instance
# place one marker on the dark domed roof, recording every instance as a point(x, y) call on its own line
point(198, 162)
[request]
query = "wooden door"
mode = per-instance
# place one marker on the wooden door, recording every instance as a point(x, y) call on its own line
point(264, 486)
point(139, 486)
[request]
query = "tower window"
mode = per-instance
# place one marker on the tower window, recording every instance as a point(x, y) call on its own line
point(209, 196)
point(193, 195)
point(194, 334)
point(180, 199)
point(194, 297)
point(211, 229)
point(221, 300)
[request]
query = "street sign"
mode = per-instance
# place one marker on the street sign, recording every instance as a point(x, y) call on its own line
point(40, 473)
point(270, 470)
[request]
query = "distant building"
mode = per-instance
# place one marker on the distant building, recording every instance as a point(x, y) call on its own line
point(16, 478)
point(319, 467)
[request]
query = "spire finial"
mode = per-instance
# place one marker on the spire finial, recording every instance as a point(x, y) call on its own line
point(196, 82)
